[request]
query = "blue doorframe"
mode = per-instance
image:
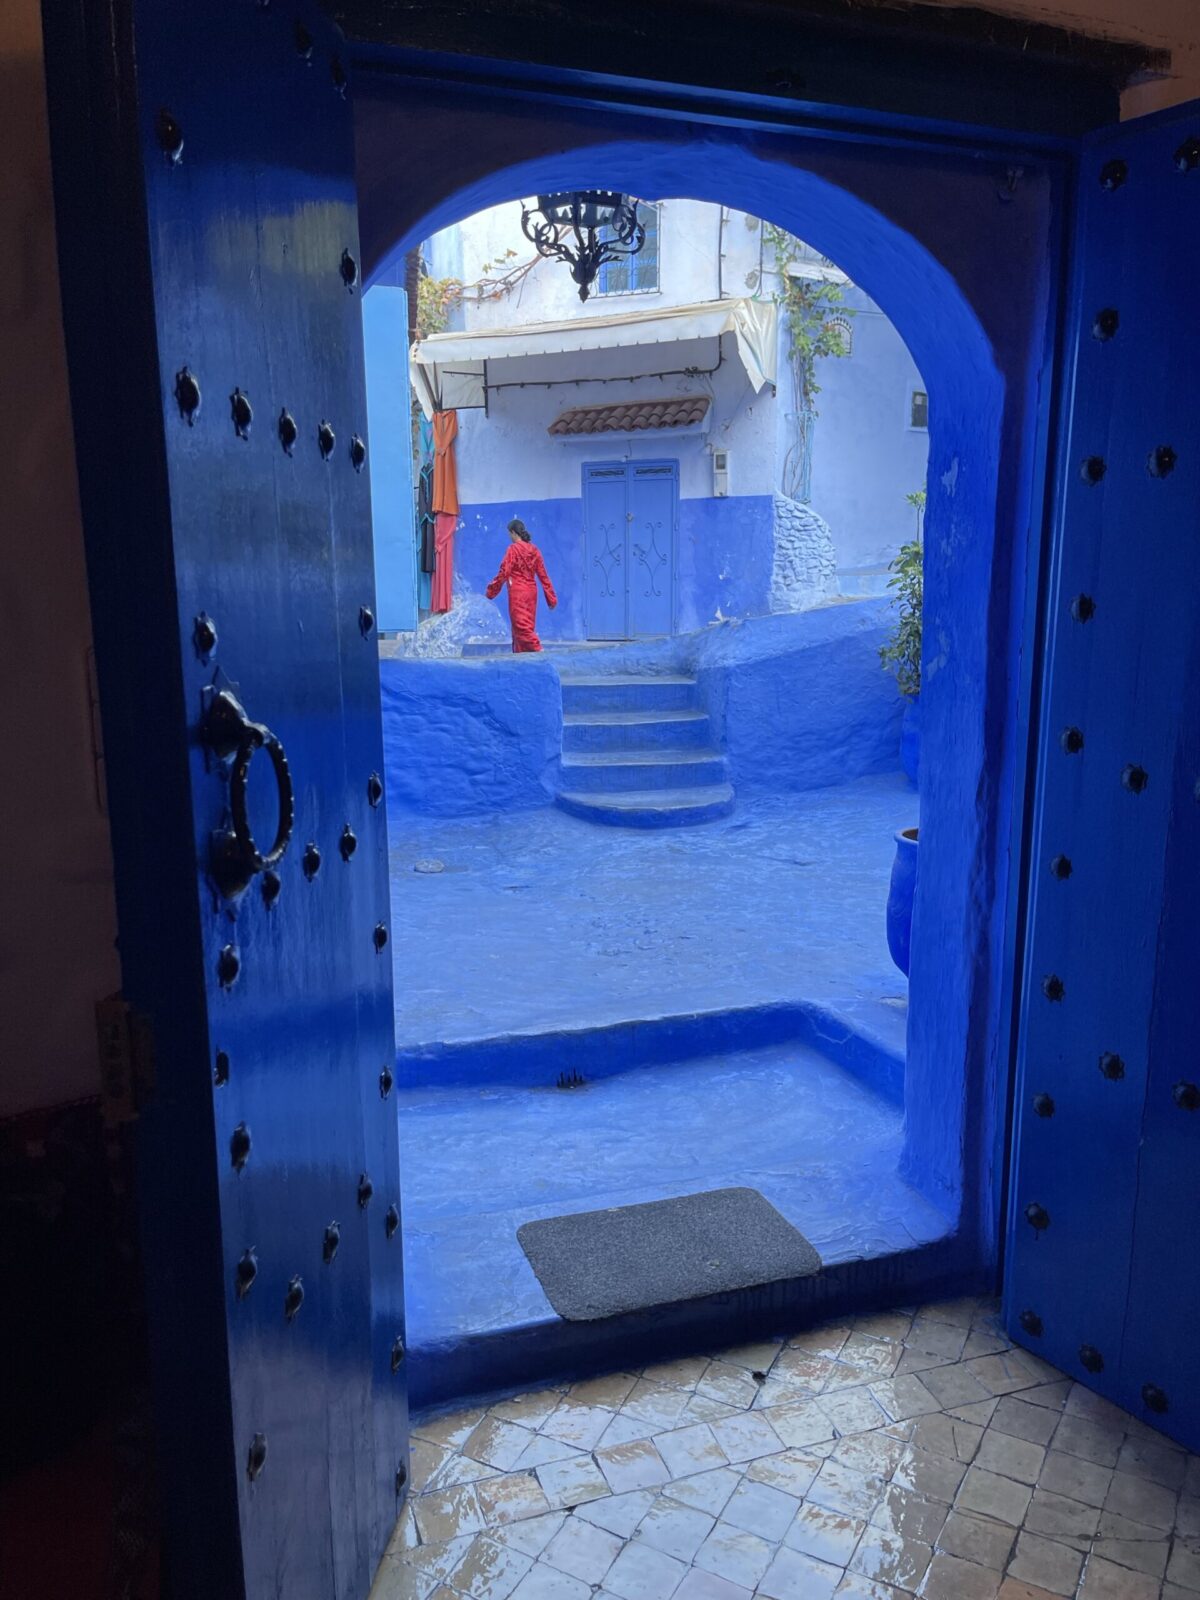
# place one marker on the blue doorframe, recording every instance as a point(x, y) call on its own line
point(630, 537)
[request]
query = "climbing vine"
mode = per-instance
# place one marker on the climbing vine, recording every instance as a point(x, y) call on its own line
point(437, 298)
point(810, 309)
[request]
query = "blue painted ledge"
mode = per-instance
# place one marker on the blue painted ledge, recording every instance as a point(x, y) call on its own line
point(864, 1038)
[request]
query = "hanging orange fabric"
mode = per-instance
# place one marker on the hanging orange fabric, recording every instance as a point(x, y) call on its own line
point(445, 473)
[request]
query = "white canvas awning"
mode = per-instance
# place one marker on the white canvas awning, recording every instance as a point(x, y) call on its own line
point(454, 371)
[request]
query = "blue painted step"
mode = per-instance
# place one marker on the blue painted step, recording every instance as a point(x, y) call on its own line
point(612, 771)
point(637, 753)
point(635, 730)
point(652, 808)
point(628, 694)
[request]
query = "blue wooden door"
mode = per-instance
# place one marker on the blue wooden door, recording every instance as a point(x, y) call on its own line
point(605, 550)
point(214, 323)
point(630, 510)
point(1103, 1273)
point(653, 491)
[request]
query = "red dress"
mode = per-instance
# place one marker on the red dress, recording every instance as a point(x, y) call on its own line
point(521, 569)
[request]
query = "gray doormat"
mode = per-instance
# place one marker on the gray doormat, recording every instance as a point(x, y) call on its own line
point(602, 1263)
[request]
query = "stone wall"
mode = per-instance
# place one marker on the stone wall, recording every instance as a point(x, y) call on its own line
point(804, 568)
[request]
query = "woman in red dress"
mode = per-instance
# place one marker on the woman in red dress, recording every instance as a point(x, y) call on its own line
point(521, 569)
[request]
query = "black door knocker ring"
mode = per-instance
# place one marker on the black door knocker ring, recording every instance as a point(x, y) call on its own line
point(236, 855)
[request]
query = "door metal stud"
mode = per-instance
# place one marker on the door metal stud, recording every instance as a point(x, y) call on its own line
point(239, 1147)
point(294, 1298)
point(256, 1459)
point(187, 395)
point(329, 1246)
point(246, 1272)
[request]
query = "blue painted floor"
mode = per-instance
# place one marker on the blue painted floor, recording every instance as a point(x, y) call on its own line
point(543, 925)
point(477, 1163)
point(541, 921)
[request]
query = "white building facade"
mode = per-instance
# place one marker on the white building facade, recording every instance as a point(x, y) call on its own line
point(650, 438)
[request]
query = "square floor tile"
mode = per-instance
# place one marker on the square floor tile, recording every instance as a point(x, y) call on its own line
point(1092, 1441)
point(743, 1438)
point(708, 1491)
point(952, 1436)
point(758, 1508)
point(854, 1494)
point(1046, 1563)
point(978, 1540)
point(825, 1535)
point(950, 1578)
point(732, 1385)
point(530, 1536)
point(801, 1424)
point(793, 1472)
point(1022, 1420)
point(1010, 1457)
point(642, 1573)
point(1141, 1500)
point(1075, 1478)
point(442, 1517)
point(632, 1466)
point(675, 1529)
point(583, 1550)
point(901, 1398)
point(684, 1373)
point(902, 1512)
point(932, 1477)
point(1103, 1581)
point(795, 1576)
point(701, 1585)
point(891, 1558)
point(656, 1402)
point(688, 1451)
point(619, 1513)
point(531, 1409)
point(497, 1443)
point(735, 1554)
point(570, 1483)
point(513, 1497)
point(490, 1570)
point(547, 1583)
point(1183, 1569)
point(611, 1391)
point(992, 1496)
point(578, 1425)
point(852, 1410)
point(1056, 1517)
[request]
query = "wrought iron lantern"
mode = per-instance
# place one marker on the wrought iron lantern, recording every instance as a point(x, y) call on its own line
point(585, 228)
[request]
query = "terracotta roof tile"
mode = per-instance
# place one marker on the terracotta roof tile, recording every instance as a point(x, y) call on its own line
point(634, 416)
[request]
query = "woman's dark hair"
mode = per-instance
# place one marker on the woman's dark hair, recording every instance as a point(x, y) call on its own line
point(518, 527)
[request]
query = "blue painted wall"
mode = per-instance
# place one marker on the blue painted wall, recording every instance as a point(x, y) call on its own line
point(385, 346)
point(798, 701)
point(801, 701)
point(724, 553)
point(463, 738)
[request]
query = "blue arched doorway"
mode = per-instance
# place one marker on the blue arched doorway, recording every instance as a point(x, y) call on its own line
point(956, 259)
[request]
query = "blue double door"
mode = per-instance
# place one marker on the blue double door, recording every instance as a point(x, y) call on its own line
point(630, 519)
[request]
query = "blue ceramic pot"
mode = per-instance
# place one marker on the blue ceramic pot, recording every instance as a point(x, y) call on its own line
point(910, 739)
point(900, 897)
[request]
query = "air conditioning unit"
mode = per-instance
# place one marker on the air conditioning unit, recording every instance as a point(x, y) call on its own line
point(720, 461)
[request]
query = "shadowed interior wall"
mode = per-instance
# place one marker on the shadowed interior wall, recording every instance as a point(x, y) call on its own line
point(58, 931)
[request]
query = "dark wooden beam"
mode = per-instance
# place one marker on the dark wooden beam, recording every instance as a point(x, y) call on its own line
point(957, 64)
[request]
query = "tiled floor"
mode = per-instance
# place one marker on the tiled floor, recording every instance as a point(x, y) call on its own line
point(781, 901)
point(908, 1453)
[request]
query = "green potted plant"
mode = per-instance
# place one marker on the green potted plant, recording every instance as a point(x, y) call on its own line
point(902, 653)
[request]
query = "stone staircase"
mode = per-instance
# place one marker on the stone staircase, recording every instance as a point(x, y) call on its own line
point(638, 753)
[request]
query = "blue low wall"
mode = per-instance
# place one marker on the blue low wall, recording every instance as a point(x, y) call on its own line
point(464, 738)
point(797, 701)
point(723, 558)
point(801, 701)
